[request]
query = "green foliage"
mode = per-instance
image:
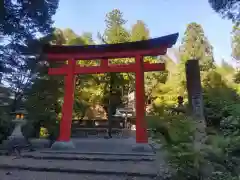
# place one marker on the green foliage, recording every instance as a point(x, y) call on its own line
point(159, 106)
point(217, 98)
point(6, 127)
point(218, 158)
point(58, 37)
point(236, 42)
point(69, 34)
point(227, 71)
point(177, 139)
point(23, 18)
point(80, 108)
point(236, 78)
point(53, 126)
point(43, 104)
point(20, 23)
point(228, 144)
point(195, 45)
point(228, 68)
point(115, 31)
point(139, 31)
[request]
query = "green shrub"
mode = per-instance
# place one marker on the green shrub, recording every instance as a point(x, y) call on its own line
point(153, 121)
point(53, 131)
point(186, 161)
point(159, 106)
point(6, 126)
point(47, 120)
point(217, 159)
point(43, 132)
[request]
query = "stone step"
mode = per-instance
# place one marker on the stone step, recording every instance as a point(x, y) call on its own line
point(127, 168)
point(128, 145)
point(86, 157)
point(71, 152)
point(34, 175)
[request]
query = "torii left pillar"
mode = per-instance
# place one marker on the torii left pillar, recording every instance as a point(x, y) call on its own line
point(63, 141)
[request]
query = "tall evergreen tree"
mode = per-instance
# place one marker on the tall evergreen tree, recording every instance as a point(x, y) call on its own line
point(113, 34)
point(115, 31)
point(236, 50)
point(69, 34)
point(236, 42)
point(87, 37)
point(139, 31)
point(195, 45)
point(58, 37)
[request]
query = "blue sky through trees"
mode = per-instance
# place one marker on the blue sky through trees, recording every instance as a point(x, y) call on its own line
point(161, 16)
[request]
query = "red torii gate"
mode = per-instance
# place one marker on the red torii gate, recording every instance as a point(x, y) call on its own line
point(137, 50)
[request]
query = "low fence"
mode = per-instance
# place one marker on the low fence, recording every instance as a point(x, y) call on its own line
point(99, 128)
point(117, 122)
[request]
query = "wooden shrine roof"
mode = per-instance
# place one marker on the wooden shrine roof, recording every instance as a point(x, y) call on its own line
point(155, 43)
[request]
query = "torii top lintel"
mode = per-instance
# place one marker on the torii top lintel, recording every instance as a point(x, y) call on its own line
point(151, 47)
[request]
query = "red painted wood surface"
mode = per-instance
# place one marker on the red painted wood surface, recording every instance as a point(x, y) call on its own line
point(104, 68)
point(141, 127)
point(67, 109)
point(61, 56)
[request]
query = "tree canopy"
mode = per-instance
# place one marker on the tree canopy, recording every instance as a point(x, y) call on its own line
point(227, 8)
point(21, 19)
point(21, 23)
point(195, 45)
point(236, 42)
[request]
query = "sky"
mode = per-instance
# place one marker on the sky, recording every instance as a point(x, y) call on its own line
point(162, 17)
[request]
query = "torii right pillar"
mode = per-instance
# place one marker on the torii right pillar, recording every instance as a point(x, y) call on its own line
point(141, 125)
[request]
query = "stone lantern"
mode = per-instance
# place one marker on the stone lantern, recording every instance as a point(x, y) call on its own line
point(19, 114)
point(18, 118)
point(17, 139)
